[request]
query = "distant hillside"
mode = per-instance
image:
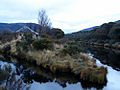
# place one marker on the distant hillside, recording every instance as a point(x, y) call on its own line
point(8, 31)
point(17, 26)
point(89, 29)
point(105, 32)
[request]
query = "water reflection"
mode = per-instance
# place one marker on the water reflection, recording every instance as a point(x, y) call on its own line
point(107, 56)
point(23, 76)
point(113, 78)
point(55, 86)
point(9, 78)
point(26, 77)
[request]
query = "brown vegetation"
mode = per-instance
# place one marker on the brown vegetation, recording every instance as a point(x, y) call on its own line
point(80, 64)
point(84, 65)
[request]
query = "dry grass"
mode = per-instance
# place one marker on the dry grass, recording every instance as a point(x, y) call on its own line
point(42, 57)
point(96, 75)
point(83, 64)
point(52, 60)
point(55, 62)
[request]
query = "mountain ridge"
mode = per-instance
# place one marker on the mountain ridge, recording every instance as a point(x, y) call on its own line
point(105, 32)
point(15, 26)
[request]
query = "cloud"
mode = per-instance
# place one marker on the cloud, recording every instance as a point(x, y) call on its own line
point(69, 15)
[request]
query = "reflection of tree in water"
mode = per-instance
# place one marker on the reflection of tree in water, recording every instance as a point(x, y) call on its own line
point(62, 79)
point(22, 77)
point(4, 72)
point(16, 84)
point(11, 81)
point(27, 76)
point(107, 56)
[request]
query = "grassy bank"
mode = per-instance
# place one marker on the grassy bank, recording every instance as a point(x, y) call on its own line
point(58, 59)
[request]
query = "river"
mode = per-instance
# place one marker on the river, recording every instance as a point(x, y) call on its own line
point(42, 80)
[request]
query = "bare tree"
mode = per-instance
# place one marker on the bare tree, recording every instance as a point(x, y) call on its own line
point(43, 20)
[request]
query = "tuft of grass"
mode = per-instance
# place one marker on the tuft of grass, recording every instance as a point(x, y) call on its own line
point(96, 75)
point(62, 60)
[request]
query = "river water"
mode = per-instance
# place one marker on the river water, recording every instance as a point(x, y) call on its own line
point(31, 78)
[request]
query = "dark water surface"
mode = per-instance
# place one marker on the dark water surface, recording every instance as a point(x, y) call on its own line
point(26, 77)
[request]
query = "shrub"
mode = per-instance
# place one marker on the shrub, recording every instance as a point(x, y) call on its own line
point(6, 49)
point(55, 33)
point(28, 38)
point(21, 45)
point(71, 49)
point(6, 35)
point(42, 44)
point(114, 33)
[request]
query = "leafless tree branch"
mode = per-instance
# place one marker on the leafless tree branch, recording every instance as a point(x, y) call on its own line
point(43, 20)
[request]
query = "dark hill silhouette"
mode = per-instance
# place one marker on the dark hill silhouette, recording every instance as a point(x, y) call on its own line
point(105, 32)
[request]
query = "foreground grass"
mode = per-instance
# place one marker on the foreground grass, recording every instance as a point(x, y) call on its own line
point(84, 66)
point(81, 64)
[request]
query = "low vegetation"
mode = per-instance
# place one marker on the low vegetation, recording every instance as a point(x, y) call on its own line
point(42, 44)
point(66, 59)
point(84, 66)
point(107, 33)
point(56, 57)
point(71, 49)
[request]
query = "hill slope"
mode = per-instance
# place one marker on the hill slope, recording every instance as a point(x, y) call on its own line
point(105, 32)
point(16, 26)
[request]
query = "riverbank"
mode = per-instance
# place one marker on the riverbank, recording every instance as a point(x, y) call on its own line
point(115, 46)
point(81, 64)
point(111, 77)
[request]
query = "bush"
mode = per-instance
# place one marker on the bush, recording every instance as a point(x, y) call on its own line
point(25, 44)
point(54, 33)
point(6, 35)
point(58, 33)
point(71, 49)
point(114, 33)
point(42, 44)
point(22, 45)
point(6, 49)
point(28, 38)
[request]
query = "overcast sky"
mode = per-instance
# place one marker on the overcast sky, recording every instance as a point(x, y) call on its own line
point(69, 15)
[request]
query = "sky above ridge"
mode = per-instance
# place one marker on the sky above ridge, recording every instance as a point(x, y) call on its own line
point(69, 15)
